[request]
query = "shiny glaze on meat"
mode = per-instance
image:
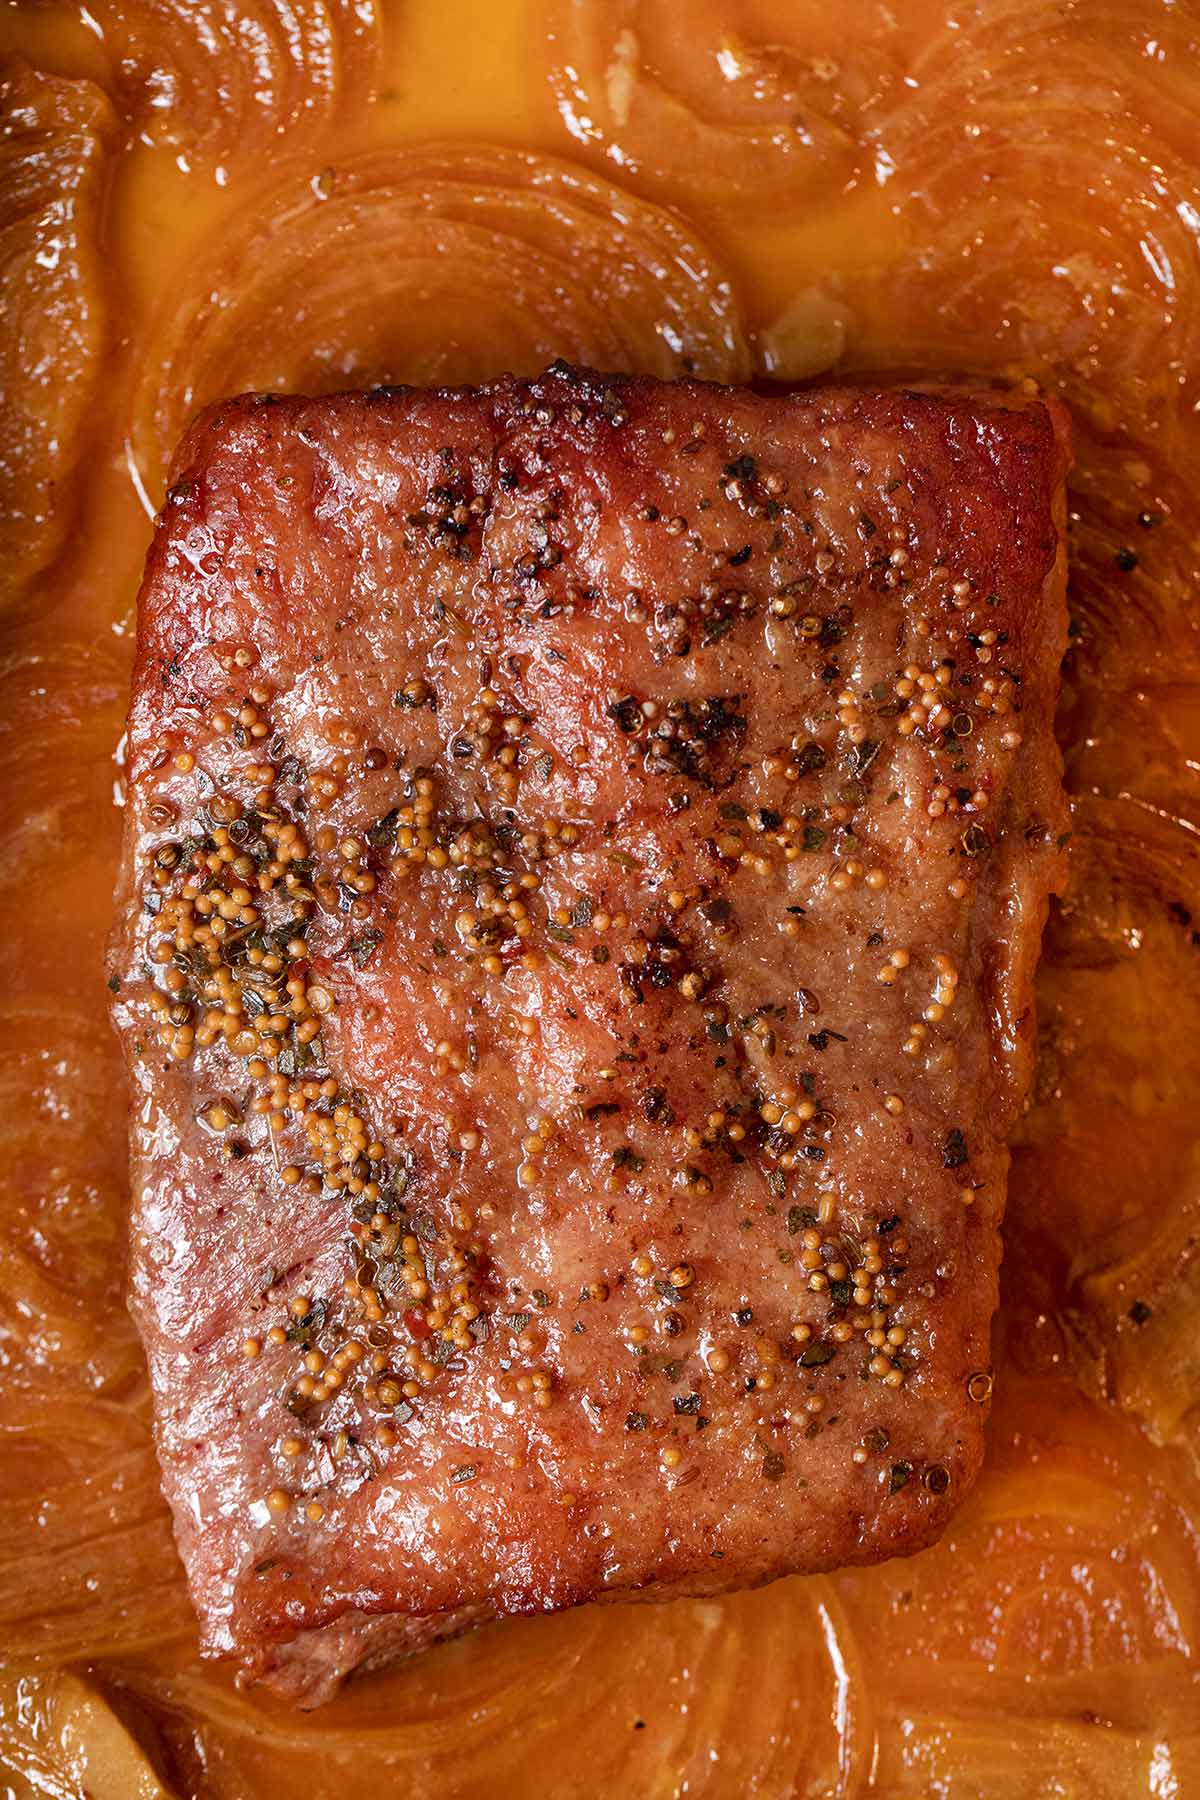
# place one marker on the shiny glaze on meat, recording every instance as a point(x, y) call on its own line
point(731, 719)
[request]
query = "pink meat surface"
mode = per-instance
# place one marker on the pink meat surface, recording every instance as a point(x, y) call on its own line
point(588, 843)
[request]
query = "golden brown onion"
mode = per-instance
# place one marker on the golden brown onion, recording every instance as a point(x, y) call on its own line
point(62, 1186)
point(54, 137)
point(63, 1169)
point(987, 1753)
point(437, 265)
point(62, 710)
point(1044, 157)
point(1064, 1591)
point(1105, 1196)
point(1133, 553)
point(87, 1559)
point(221, 78)
point(760, 1693)
point(746, 106)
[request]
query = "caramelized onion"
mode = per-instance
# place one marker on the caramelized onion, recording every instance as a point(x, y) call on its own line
point(87, 1559)
point(760, 1692)
point(63, 1172)
point(1064, 1590)
point(219, 78)
point(1050, 178)
point(54, 777)
point(446, 264)
point(61, 1269)
point(742, 106)
point(53, 147)
point(1113, 1132)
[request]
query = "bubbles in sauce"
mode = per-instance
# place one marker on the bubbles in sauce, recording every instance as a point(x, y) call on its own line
point(313, 195)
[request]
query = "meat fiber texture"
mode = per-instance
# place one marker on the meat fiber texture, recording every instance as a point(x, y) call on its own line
point(588, 843)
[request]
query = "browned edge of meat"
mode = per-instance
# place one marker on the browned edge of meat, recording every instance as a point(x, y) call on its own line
point(654, 1054)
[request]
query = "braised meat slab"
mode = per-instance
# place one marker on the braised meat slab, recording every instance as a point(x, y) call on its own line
point(588, 841)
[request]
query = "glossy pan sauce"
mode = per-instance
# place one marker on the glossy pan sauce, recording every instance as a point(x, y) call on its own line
point(198, 196)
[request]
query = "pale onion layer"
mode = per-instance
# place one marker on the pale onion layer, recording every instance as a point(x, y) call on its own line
point(452, 263)
point(741, 106)
point(54, 139)
point(223, 78)
point(60, 1738)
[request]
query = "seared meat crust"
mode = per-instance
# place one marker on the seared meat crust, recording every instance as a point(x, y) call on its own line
point(588, 842)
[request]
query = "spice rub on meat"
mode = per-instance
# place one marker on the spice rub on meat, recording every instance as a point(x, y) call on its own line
point(588, 841)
